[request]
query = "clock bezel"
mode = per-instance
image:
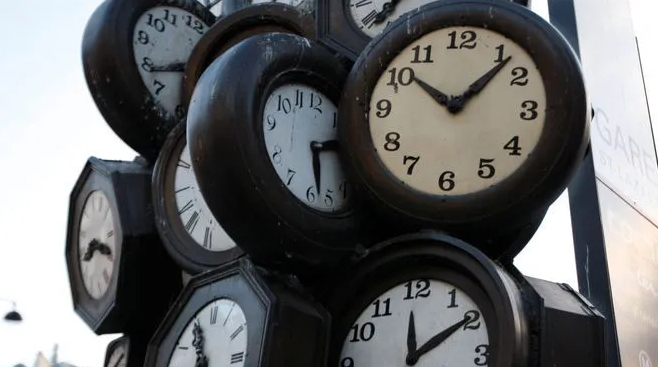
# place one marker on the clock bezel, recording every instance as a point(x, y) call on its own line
point(114, 80)
point(247, 189)
point(433, 255)
point(489, 208)
point(238, 26)
point(183, 249)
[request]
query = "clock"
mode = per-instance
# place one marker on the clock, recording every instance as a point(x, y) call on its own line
point(189, 231)
point(436, 301)
point(113, 254)
point(126, 351)
point(267, 163)
point(455, 118)
point(348, 25)
point(230, 6)
point(134, 53)
point(237, 315)
point(239, 25)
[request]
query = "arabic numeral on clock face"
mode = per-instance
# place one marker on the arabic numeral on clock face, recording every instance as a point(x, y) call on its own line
point(520, 75)
point(392, 141)
point(468, 40)
point(402, 77)
point(156, 23)
point(486, 169)
point(284, 104)
point(421, 286)
point(142, 37)
point(147, 64)
point(513, 146)
point(170, 18)
point(426, 54)
point(447, 181)
point(410, 162)
point(482, 352)
point(473, 323)
point(529, 112)
point(382, 308)
point(383, 108)
point(363, 332)
point(194, 24)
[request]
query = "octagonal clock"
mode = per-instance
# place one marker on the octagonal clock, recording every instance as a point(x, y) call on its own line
point(113, 254)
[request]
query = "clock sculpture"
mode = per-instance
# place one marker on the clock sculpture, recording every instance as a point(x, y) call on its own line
point(267, 162)
point(239, 25)
point(239, 315)
point(347, 26)
point(113, 254)
point(455, 117)
point(134, 54)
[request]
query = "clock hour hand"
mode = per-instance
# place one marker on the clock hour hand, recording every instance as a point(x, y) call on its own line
point(411, 339)
point(91, 248)
point(387, 9)
point(197, 343)
point(478, 85)
point(436, 340)
point(316, 147)
point(440, 97)
point(175, 67)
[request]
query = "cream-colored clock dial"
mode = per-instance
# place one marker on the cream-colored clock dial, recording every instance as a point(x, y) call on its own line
point(373, 16)
point(97, 244)
point(496, 128)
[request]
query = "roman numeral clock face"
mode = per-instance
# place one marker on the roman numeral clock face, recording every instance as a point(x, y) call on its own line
point(457, 111)
point(422, 322)
point(97, 244)
point(372, 16)
point(215, 337)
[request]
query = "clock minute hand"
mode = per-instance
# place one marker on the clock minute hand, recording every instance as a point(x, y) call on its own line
point(411, 340)
point(175, 67)
point(439, 338)
point(316, 147)
point(478, 85)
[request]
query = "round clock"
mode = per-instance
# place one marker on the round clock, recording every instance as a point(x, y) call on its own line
point(436, 301)
point(239, 25)
point(189, 231)
point(113, 255)
point(235, 316)
point(348, 25)
point(126, 351)
point(230, 6)
point(134, 54)
point(267, 163)
point(462, 125)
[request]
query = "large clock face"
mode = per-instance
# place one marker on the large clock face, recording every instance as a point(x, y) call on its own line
point(118, 358)
point(372, 16)
point(216, 336)
point(457, 111)
point(422, 322)
point(299, 125)
point(193, 212)
point(97, 244)
point(163, 39)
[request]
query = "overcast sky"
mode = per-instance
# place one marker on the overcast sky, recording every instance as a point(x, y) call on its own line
point(50, 126)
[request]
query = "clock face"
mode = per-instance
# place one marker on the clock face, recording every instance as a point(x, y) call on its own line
point(97, 244)
point(118, 358)
point(422, 322)
point(457, 111)
point(193, 212)
point(163, 39)
point(372, 16)
point(217, 333)
point(299, 124)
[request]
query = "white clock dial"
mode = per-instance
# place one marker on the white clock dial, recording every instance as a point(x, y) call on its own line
point(413, 314)
point(373, 16)
point(217, 332)
point(494, 125)
point(193, 212)
point(97, 244)
point(118, 358)
point(163, 40)
point(299, 125)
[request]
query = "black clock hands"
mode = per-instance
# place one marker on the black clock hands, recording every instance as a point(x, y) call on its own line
point(175, 67)
point(197, 343)
point(477, 86)
point(411, 339)
point(96, 245)
point(316, 148)
point(435, 341)
point(387, 9)
point(440, 97)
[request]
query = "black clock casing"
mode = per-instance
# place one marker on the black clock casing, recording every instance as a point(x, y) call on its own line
point(139, 261)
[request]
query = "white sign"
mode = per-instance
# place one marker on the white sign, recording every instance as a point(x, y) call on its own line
point(621, 135)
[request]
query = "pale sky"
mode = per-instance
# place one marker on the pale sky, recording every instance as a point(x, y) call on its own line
point(50, 126)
